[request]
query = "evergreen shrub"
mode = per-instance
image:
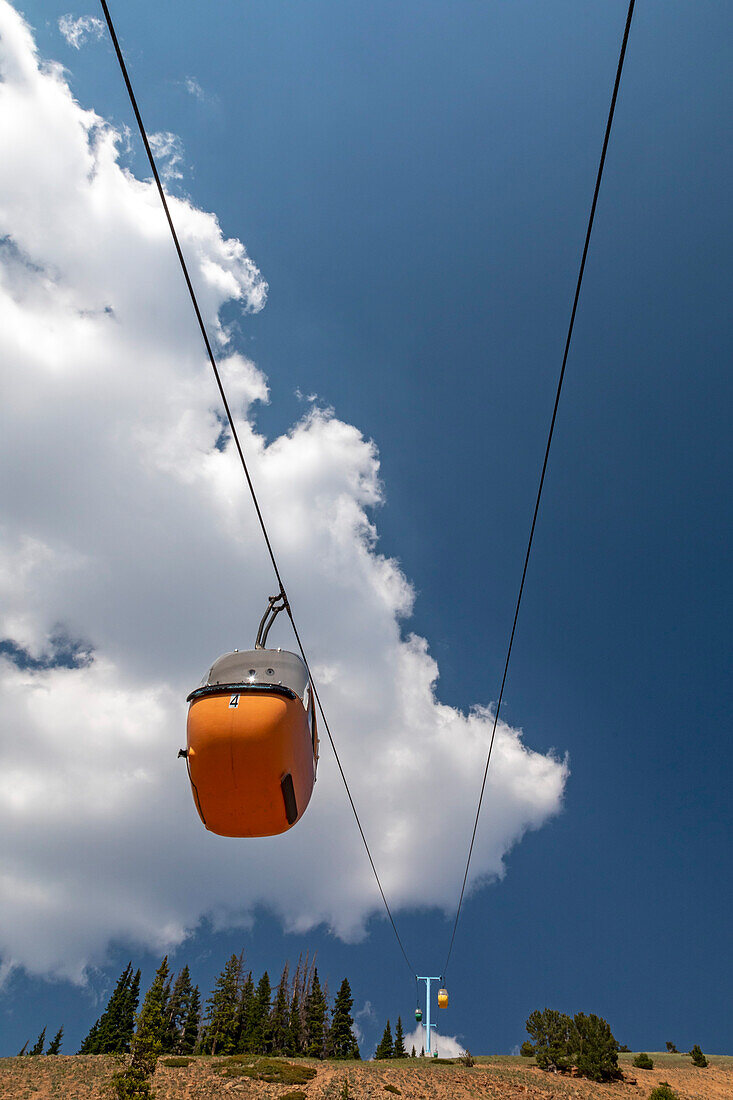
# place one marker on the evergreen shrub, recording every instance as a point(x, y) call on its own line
point(585, 1041)
point(663, 1091)
point(551, 1032)
point(643, 1061)
point(131, 1084)
point(272, 1070)
point(698, 1058)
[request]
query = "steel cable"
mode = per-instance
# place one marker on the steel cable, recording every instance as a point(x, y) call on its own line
point(243, 461)
point(568, 339)
point(258, 510)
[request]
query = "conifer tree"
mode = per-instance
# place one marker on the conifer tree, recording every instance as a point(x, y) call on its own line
point(326, 1020)
point(191, 1023)
point(413, 1052)
point(315, 1020)
point(280, 1016)
point(90, 1041)
point(107, 1037)
point(698, 1058)
point(112, 1032)
point(252, 1024)
point(594, 1047)
point(176, 1010)
point(37, 1047)
point(131, 1083)
point(244, 1009)
point(221, 1011)
point(55, 1045)
point(386, 1047)
point(257, 1035)
point(295, 1031)
point(307, 974)
point(399, 1041)
point(127, 1014)
point(147, 1042)
point(23, 1049)
point(343, 1042)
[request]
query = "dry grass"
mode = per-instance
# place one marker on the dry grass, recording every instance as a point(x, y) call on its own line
point(500, 1078)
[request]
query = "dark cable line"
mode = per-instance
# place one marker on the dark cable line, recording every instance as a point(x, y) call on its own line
point(571, 325)
point(348, 791)
point(235, 436)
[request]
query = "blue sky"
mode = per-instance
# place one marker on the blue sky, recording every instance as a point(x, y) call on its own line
point(413, 182)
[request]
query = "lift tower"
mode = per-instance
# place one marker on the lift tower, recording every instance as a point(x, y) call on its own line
point(427, 1025)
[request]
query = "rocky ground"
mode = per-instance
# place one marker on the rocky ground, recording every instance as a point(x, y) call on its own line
point(500, 1078)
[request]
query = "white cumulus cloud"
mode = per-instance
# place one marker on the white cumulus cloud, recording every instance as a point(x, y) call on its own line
point(127, 540)
point(168, 152)
point(76, 31)
point(447, 1046)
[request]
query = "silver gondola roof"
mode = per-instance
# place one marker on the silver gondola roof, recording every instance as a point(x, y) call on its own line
point(260, 666)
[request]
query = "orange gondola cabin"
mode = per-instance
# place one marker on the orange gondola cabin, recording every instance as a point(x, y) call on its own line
point(252, 744)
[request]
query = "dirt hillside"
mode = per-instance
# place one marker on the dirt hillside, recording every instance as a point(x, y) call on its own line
point(501, 1078)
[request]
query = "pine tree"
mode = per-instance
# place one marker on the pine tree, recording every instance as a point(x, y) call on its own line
point(191, 1023)
point(55, 1045)
point(90, 1041)
point(413, 1052)
point(37, 1048)
point(131, 1083)
point(550, 1032)
point(127, 1014)
point(176, 1011)
point(315, 1020)
point(244, 1009)
point(112, 1032)
point(326, 1021)
point(23, 1049)
point(147, 1042)
point(594, 1047)
point(302, 983)
point(399, 1041)
point(343, 1041)
point(257, 1023)
point(108, 1031)
point(386, 1047)
point(221, 1011)
point(280, 1016)
point(295, 1031)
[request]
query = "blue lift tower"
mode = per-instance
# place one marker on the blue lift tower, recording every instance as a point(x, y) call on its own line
point(426, 1024)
